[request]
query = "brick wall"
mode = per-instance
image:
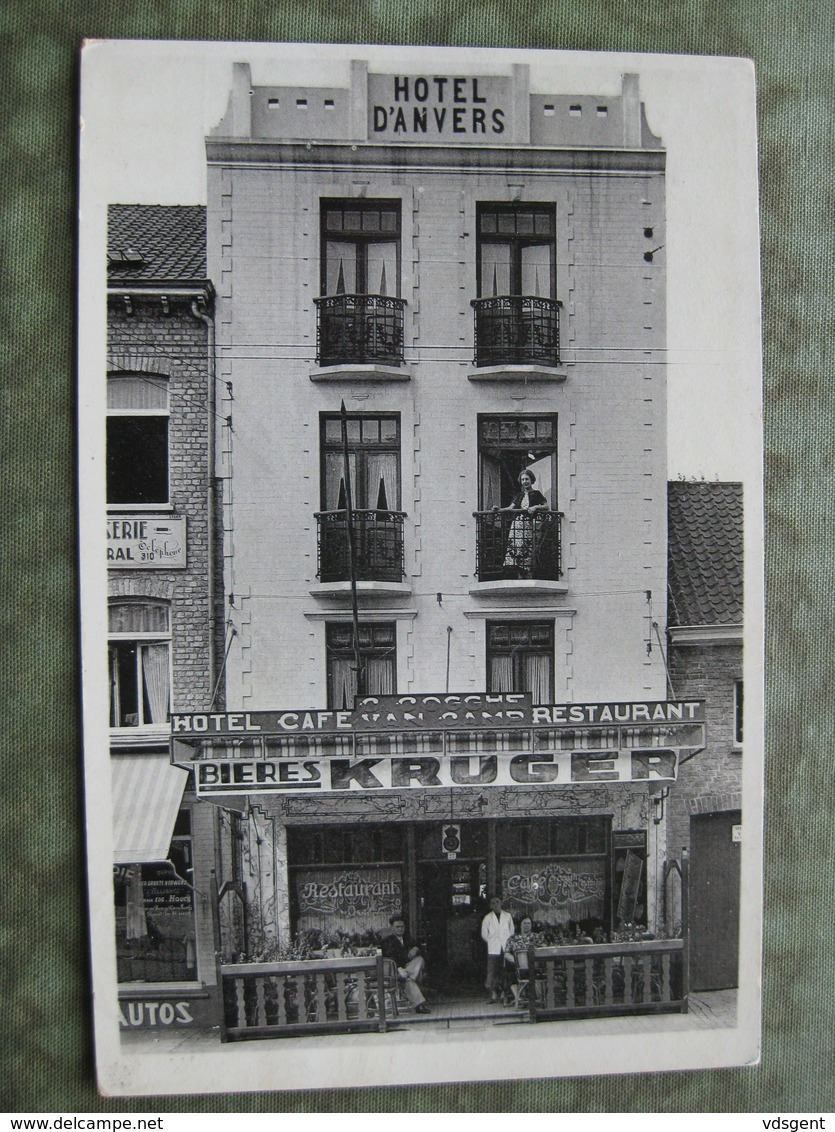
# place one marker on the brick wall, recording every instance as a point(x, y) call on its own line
point(712, 779)
point(175, 345)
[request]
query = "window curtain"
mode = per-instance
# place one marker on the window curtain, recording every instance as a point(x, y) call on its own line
point(341, 268)
point(536, 270)
point(382, 486)
point(495, 270)
point(343, 684)
point(137, 391)
point(501, 674)
point(379, 676)
point(537, 670)
point(491, 483)
point(335, 495)
point(138, 617)
point(115, 696)
point(136, 924)
point(382, 269)
point(155, 672)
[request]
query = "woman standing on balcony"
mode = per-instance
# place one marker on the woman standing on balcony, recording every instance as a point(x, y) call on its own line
point(520, 551)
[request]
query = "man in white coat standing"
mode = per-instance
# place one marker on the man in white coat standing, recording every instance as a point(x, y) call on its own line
point(496, 929)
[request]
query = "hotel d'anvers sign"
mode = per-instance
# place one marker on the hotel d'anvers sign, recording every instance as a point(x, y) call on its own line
point(402, 742)
point(439, 108)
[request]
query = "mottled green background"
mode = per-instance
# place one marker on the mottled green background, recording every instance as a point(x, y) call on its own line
point(45, 1027)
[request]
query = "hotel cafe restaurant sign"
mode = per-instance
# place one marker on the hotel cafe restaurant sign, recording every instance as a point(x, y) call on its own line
point(405, 742)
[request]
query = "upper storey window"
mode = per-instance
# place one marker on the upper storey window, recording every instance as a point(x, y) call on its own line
point(360, 311)
point(139, 654)
point(372, 545)
point(361, 243)
point(516, 313)
point(137, 439)
point(517, 532)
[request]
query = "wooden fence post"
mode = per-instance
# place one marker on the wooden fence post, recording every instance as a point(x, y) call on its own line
point(215, 906)
point(381, 993)
point(685, 929)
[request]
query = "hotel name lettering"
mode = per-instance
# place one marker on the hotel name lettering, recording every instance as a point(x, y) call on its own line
point(420, 742)
point(438, 108)
point(445, 711)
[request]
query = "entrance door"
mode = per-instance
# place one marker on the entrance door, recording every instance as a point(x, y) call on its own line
point(451, 901)
point(714, 901)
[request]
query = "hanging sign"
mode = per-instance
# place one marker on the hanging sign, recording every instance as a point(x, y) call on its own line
point(146, 544)
point(324, 776)
point(444, 711)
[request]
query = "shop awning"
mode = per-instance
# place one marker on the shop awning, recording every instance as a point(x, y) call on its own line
point(147, 791)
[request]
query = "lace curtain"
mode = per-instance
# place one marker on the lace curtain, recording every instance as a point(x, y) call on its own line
point(537, 677)
point(381, 487)
point(155, 673)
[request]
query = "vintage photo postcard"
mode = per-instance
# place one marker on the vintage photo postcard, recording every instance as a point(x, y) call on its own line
point(421, 563)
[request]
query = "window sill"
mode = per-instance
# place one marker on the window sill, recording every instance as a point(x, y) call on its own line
point(145, 508)
point(524, 373)
point(372, 372)
point(368, 589)
point(517, 587)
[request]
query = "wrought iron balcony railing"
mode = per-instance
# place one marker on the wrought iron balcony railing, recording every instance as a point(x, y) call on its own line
point(378, 546)
point(514, 544)
point(517, 330)
point(359, 329)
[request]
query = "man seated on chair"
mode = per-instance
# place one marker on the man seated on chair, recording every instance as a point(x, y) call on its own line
point(410, 963)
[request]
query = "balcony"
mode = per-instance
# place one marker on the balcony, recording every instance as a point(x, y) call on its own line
point(378, 546)
point(514, 546)
point(517, 330)
point(359, 330)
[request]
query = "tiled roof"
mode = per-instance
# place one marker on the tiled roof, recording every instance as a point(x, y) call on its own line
point(148, 243)
point(705, 553)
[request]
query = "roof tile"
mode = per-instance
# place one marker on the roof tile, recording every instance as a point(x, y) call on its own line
point(170, 239)
point(705, 553)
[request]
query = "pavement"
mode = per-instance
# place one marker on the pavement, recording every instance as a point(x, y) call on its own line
point(708, 1010)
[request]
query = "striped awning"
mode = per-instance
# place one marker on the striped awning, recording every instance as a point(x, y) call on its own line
point(147, 791)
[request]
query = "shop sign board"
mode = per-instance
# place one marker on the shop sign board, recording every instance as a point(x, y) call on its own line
point(442, 711)
point(324, 775)
point(146, 543)
point(163, 1012)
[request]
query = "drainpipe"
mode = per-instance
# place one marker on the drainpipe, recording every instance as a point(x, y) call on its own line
point(210, 495)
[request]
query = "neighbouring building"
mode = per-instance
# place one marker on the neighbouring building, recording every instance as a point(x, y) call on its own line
point(164, 608)
point(704, 630)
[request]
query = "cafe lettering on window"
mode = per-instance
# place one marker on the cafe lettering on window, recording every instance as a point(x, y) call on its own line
point(439, 108)
point(555, 891)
